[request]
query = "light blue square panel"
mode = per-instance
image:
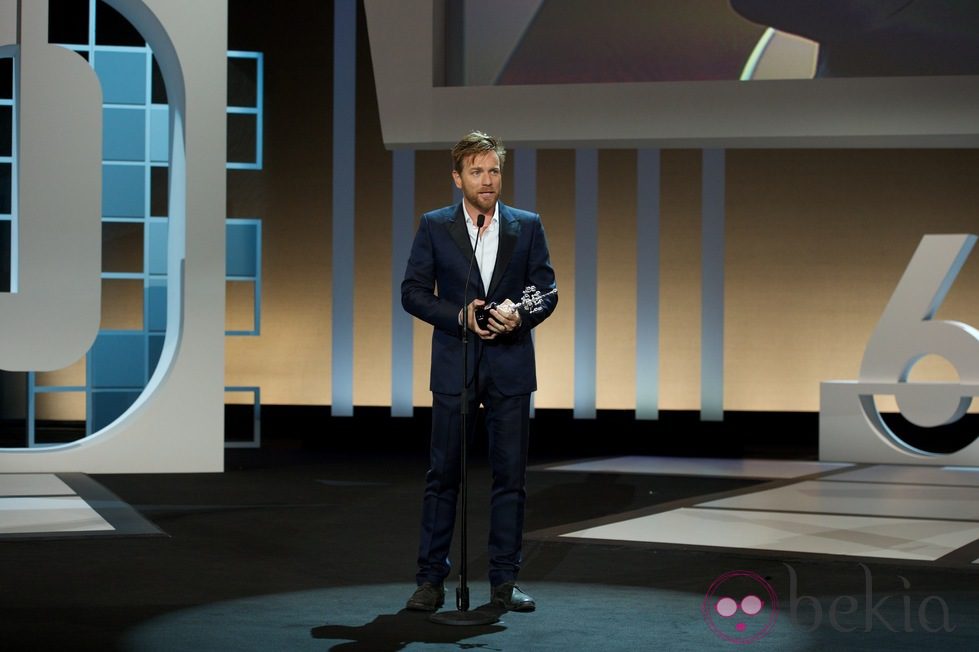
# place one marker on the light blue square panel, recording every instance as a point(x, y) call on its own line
point(155, 349)
point(123, 76)
point(242, 250)
point(124, 134)
point(109, 406)
point(157, 247)
point(118, 360)
point(123, 190)
point(156, 305)
point(6, 187)
point(160, 134)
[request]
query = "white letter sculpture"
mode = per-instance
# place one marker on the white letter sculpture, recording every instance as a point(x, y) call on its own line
point(851, 428)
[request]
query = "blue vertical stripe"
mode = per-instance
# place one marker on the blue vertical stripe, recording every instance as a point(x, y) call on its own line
point(402, 232)
point(525, 197)
point(712, 289)
point(586, 281)
point(647, 283)
point(344, 123)
point(525, 179)
point(32, 410)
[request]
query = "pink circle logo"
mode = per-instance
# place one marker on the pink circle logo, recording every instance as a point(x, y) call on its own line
point(740, 607)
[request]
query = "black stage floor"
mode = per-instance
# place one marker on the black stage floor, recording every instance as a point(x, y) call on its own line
point(300, 548)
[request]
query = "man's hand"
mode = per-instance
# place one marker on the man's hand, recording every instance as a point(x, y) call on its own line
point(504, 319)
point(471, 320)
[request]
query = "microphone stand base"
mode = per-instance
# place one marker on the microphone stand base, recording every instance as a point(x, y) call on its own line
point(475, 617)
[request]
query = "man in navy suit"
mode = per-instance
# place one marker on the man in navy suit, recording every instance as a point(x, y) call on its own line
point(510, 254)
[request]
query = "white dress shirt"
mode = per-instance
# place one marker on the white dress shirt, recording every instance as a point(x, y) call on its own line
point(488, 245)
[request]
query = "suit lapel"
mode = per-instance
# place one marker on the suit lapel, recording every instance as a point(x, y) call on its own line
point(459, 232)
point(509, 230)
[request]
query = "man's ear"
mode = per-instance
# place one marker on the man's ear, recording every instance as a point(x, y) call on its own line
point(457, 178)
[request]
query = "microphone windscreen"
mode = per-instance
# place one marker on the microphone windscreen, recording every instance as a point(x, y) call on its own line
point(479, 221)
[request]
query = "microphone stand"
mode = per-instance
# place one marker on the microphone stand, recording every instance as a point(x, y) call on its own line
point(462, 615)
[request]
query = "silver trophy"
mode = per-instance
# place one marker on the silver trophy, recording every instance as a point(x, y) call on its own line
point(531, 301)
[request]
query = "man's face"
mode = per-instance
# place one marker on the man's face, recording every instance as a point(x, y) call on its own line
point(480, 181)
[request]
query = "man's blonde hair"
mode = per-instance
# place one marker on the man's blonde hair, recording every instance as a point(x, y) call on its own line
point(474, 143)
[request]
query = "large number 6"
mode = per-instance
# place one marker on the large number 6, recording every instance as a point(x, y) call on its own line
point(907, 331)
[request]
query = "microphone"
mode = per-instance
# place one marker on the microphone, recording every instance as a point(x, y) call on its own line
point(481, 314)
point(465, 317)
point(462, 591)
point(480, 220)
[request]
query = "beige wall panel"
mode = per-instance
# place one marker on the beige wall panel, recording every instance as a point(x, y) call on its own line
point(290, 360)
point(554, 342)
point(291, 195)
point(62, 405)
point(71, 375)
point(616, 346)
point(372, 263)
point(680, 280)
point(59, 406)
point(239, 305)
point(122, 304)
point(816, 242)
point(433, 189)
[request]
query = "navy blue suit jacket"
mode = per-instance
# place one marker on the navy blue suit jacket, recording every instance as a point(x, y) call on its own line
point(435, 282)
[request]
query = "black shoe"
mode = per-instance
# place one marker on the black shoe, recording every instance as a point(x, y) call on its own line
point(427, 597)
point(509, 596)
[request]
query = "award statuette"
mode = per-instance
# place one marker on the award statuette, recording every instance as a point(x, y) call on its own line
point(532, 301)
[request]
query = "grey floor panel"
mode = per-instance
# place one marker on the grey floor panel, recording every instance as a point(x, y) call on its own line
point(49, 505)
point(865, 536)
point(909, 474)
point(37, 514)
point(861, 498)
point(715, 467)
point(33, 484)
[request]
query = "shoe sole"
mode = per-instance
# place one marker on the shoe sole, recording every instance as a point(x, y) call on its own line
point(521, 609)
point(423, 607)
